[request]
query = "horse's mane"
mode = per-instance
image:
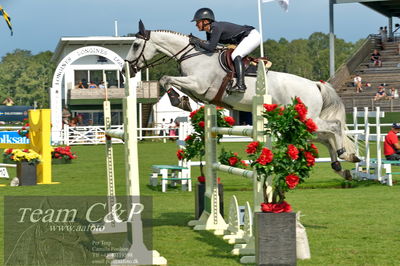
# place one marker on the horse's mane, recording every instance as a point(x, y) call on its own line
point(170, 31)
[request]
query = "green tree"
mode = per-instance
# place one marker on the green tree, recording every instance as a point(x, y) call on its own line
point(26, 78)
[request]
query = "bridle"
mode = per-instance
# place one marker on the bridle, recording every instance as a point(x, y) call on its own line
point(162, 60)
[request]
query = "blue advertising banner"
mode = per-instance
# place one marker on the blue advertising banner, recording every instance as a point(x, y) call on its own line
point(12, 137)
point(14, 113)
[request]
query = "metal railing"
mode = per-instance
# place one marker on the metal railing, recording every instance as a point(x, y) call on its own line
point(386, 105)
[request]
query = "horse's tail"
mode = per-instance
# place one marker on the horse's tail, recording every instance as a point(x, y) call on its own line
point(333, 109)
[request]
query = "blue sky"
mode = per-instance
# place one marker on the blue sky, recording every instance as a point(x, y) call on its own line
point(39, 24)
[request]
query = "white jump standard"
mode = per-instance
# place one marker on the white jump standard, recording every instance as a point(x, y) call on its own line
point(377, 164)
point(136, 252)
point(211, 218)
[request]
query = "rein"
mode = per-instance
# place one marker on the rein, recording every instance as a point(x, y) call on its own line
point(161, 60)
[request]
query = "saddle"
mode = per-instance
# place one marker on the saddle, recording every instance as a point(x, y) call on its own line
point(249, 63)
point(225, 60)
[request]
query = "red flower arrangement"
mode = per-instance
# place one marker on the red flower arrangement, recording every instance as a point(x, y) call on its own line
point(311, 126)
point(293, 152)
point(265, 157)
point(252, 147)
point(24, 132)
point(202, 179)
point(231, 159)
point(229, 120)
point(180, 154)
point(292, 181)
point(270, 107)
point(63, 153)
point(291, 157)
point(195, 146)
point(276, 207)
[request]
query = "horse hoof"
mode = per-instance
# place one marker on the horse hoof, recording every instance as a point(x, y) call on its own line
point(350, 158)
point(347, 175)
point(354, 158)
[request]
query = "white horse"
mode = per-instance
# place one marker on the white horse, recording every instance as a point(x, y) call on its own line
point(201, 76)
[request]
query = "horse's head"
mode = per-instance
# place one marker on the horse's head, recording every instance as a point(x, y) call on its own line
point(141, 50)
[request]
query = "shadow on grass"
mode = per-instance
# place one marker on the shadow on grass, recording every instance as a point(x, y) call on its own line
point(238, 188)
point(173, 219)
point(221, 248)
point(170, 188)
point(340, 184)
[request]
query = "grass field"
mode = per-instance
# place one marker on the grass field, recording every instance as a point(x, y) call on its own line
point(352, 226)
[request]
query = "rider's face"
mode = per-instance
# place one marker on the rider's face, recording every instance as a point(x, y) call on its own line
point(199, 25)
point(203, 25)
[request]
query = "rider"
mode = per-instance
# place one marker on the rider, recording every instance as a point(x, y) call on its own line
point(245, 37)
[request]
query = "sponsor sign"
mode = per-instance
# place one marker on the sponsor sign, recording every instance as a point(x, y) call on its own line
point(14, 113)
point(12, 137)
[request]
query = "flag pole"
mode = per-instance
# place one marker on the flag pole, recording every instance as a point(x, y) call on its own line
point(260, 28)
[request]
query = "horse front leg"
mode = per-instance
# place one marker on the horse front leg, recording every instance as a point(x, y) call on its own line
point(189, 83)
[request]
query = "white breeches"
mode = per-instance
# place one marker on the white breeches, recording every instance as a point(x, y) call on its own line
point(247, 45)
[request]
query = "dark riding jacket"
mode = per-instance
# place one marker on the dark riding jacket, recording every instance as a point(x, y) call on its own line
point(225, 33)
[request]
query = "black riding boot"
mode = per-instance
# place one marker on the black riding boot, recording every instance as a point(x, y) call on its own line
point(240, 86)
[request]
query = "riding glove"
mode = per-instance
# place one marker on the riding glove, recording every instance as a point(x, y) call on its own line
point(195, 41)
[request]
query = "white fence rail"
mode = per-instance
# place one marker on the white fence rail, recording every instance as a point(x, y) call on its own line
point(96, 134)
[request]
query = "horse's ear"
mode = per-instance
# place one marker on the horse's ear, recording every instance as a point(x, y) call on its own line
point(143, 33)
point(142, 30)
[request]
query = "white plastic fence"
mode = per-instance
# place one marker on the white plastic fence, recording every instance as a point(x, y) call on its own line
point(84, 135)
point(87, 135)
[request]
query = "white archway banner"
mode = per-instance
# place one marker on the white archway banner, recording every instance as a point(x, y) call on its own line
point(56, 89)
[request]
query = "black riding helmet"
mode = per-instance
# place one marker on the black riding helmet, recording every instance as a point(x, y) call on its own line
point(204, 13)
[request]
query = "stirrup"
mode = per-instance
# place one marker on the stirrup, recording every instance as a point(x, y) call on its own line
point(236, 88)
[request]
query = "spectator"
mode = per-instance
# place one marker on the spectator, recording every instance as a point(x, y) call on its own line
point(8, 102)
point(380, 93)
point(384, 34)
point(66, 115)
point(73, 122)
point(79, 120)
point(391, 146)
point(172, 128)
point(163, 125)
point(92, 85)
point(85, 83)
point(380, 32)
point(357, 83)
point(392, 94)
point(376, 58)
point(80, 85)
point(101, 85)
